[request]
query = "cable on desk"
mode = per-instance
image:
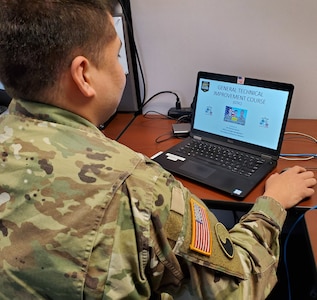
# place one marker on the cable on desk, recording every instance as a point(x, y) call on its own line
point(301, 135)
point(184, 119)
point(160, 138)
point(126, 127)
point(285, 250)
point(299, 156)
point(153, 114)
point(159, 115)
point(140, 110)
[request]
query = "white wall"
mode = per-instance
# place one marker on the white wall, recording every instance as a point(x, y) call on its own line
point(267, 39)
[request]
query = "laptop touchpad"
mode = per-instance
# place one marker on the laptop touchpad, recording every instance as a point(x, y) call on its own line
point(197, 169)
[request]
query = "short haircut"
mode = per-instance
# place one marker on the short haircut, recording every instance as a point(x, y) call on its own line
point(40, 38)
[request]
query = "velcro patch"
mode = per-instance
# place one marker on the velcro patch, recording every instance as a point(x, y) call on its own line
point(201, 234)
point(224, 239)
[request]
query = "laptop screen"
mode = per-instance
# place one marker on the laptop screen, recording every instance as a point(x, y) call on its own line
point(241, 109)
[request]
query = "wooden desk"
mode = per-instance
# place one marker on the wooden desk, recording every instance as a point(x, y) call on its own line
point(142, 134)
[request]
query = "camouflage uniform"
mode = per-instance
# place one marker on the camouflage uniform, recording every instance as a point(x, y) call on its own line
point(84, 217)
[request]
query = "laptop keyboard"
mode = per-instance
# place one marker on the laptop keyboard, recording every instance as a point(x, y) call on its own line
point(233, 160)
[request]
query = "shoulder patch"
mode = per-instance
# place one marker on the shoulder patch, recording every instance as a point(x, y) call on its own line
point(224, 239)
point(201, 240)
point(178, 203)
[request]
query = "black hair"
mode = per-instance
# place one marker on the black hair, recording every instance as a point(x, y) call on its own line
point(40, 38)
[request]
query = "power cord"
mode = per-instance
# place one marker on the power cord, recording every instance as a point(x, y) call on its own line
point(139, 111)
point(299, 156)
point(301, 134)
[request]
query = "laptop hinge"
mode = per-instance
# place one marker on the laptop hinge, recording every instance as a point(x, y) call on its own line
point(197, 137)
point(266, 157)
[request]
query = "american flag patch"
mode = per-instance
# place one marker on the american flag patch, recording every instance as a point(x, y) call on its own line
point(201, 235)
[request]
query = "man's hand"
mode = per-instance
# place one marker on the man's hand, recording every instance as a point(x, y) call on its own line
point(291, 186)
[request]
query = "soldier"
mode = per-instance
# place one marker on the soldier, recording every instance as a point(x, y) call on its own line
point(84, 217)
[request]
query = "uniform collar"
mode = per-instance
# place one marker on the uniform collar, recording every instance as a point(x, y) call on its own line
point(48, 113)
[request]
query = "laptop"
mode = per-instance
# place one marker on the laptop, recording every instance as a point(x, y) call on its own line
point(235, 117)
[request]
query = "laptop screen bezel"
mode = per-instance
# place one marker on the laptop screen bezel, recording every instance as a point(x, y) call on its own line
point(240, 145)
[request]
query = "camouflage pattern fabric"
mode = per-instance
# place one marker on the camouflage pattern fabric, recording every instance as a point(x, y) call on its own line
point(84, 217)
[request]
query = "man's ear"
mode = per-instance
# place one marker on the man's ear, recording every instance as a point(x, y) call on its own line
point(80, 74)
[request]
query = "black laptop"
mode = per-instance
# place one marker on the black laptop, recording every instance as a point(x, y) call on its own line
point(236, 133)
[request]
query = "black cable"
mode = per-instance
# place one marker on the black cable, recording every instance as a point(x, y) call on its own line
point(153, 114)
point(167, 136)
point(159, 93)
point(140, 110)
point(126, 127)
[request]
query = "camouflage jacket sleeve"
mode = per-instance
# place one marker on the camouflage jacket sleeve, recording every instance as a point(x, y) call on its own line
point(82, 216)
point(239, 264)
